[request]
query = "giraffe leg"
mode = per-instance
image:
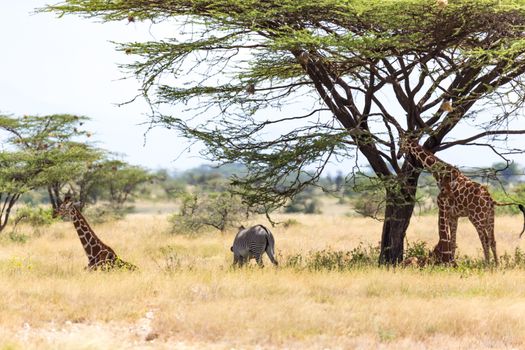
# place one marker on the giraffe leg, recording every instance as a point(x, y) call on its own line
point(453, 226)
point(489, 229)
point(443, 250)
point(480, 223)
point(492, 238)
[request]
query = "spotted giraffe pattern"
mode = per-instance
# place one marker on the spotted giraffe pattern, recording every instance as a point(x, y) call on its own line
point(99, 255)
point(459, 197)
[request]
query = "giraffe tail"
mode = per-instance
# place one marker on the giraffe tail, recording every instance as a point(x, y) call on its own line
point(521, 207)
point(523, 211)
point(504, 204)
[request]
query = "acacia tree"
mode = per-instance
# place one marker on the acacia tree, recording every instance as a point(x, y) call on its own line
point(368, 70)
point(60, 144)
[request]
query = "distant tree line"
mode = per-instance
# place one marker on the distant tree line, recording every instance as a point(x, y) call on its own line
point(44, 157)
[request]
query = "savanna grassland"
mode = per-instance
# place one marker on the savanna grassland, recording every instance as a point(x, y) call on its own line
point(186, 295)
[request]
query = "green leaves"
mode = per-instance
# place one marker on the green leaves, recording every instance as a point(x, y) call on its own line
point(50, 146)
point(200, 210)
point(16, 171)
point(376, 68)
point(41, 151)
point(120, 180)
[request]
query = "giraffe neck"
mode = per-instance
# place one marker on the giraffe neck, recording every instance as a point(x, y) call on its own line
point(91, 243)
point(439, 169)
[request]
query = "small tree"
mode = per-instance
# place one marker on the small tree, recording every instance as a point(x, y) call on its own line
point(220, 210)
point(121, 180)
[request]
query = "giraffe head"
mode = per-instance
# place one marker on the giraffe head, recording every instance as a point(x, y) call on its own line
point(405, 145)
point(65, 209)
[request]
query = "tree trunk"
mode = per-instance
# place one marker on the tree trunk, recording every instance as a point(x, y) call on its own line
point(54, 196)
point(8, 204)
point(399, 208)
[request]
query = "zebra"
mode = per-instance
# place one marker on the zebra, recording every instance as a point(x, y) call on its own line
point(252, 243)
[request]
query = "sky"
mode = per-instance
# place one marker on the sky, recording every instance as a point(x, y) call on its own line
point(54, 65)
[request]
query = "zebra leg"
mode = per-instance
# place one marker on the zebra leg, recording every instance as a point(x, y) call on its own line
point(258, 258)
point(241, 260)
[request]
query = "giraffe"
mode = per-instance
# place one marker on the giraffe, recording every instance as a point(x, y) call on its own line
point(459, 196)
point(99, 254)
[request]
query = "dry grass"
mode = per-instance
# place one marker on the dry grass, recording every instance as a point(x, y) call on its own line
point(187, 296)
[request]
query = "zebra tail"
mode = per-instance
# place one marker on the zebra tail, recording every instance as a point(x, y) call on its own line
point(523, 211)
point(269, 239)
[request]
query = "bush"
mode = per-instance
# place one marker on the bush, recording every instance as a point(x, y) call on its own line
point(417, 249)
point(304, 205)
point(368, 206)
point(335, 260)
point(304, 202)
point(220, 210)
point(18, 237)
point(34, 216)
point(370, 199)
point(368, 257)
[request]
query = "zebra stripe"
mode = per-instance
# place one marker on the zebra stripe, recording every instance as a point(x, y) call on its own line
point(252, 243)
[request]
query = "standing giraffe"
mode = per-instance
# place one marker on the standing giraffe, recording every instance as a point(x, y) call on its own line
point(99, 254)
point(459, 196)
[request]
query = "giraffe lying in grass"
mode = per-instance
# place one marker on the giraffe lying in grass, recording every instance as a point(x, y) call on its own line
point(100, 255)
point(459, 196)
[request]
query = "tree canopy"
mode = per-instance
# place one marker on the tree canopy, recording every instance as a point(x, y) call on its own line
point(359, 74)
point(40, 151)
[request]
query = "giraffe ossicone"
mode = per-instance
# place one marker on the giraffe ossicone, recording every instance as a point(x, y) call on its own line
point(100, 255)
point(459, 196)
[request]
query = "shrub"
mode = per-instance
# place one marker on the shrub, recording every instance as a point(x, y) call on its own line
point(368, 206)
point(18, 237)
point(34, 216)
point(220, 210)
point(335, 260)
point(305, 202)
point(417, 249)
